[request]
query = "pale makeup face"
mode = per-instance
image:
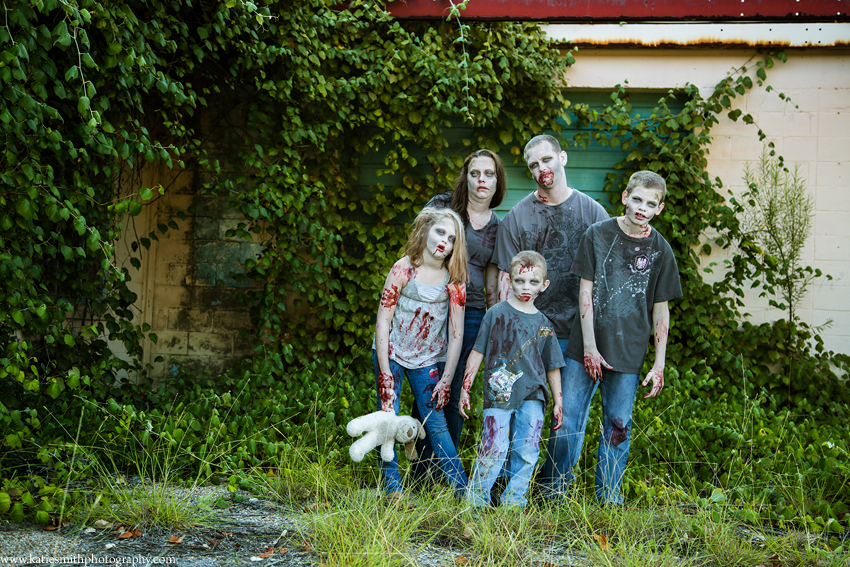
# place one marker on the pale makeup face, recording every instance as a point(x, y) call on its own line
point(527, 282)
point(641, 206)
point(545, 164)
point(441, 238)
point(481, 178)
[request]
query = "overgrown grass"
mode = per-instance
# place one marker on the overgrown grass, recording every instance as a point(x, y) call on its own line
point(756, 508)
point(350, 522)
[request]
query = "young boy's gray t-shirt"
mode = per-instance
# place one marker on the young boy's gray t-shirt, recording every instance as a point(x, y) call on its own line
point(555, 232)
point(479, 251)
point(629, 276)
point(519, 349)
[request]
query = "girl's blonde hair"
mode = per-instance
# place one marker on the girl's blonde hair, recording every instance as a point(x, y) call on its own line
point(455, 262)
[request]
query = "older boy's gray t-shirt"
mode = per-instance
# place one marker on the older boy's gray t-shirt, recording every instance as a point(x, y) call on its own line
point(555, 232)
point(629, 276)
point(519, 349)
point(479, 250)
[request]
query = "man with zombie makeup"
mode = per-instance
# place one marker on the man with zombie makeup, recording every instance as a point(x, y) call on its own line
point(551, 220)
point(628, 274)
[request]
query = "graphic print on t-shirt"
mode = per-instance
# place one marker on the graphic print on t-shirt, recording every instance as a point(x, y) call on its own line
point(618, 291)
point(556, 237)
point(501, 380)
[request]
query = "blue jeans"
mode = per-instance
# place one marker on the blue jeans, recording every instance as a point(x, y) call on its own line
point(422, 382)
point(454, 421)
point(526, 422)
point(564, 447)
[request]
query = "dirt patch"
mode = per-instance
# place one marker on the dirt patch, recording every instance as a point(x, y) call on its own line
point(252, 531)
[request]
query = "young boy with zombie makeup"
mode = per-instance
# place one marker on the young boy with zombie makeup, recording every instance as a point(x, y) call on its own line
point(521, 351)
point(628, 274)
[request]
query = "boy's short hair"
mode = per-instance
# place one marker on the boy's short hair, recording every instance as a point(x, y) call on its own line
point(528, 258)
point(649, 180)
point(537, 140)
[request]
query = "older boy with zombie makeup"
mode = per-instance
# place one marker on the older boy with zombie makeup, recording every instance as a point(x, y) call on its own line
point(521, 352)
point(551, 221)
point(628, 274)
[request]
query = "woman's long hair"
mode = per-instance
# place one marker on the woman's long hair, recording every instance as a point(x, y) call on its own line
point(460, 195)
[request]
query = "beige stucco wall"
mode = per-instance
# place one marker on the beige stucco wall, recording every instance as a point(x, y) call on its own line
point(812, 130)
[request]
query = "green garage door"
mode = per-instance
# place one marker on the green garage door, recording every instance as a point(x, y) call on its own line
point(586, 169)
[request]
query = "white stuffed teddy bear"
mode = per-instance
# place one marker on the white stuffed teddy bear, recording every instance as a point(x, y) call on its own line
point(384, 428)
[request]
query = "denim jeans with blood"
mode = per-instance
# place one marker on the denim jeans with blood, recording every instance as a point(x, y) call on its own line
point(526, 423)
point(618, 391)
point(422, 382)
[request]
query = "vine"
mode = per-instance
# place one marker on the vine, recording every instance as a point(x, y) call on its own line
point(278, 106)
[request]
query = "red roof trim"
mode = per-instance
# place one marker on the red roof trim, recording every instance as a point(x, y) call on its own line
point(571, 10)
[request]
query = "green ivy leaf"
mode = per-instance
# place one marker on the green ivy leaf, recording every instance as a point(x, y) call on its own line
point(5, 501)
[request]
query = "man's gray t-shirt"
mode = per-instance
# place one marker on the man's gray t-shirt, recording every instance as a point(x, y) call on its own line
point(555, 232)
point(519, 349)
point(479, 250)
point(629, 276)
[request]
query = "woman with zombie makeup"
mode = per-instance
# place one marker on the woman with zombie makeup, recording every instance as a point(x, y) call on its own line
point(480, 188)
point(418, 334)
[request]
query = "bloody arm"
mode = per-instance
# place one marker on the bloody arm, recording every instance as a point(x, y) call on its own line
point(554, 377)
point(473, 363)
point(457, 308)
point(504, 286)
point(491, 285)
point(661, 326)
point(593, 361)
point(396, 280)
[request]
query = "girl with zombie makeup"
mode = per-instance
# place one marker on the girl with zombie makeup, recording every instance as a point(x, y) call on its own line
point(480, 187)
point(418, 334)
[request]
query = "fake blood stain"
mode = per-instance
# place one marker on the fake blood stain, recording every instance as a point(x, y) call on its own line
point(618, 432)
point(457, 296)
point(427, 392)
point(527, 267)
point(424, 325)
point(535, 433)
point(415, 317)
point(506, 330)
point(546, 178)
point(468, 378)
point(491, 432)
point(660, 332)
point(588, 305)
point(390, 296)
point(386, 391)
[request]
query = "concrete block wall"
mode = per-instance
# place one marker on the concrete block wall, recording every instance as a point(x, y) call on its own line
point(812, 130)
point(195, 320)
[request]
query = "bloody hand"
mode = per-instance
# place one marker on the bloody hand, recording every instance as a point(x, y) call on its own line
point(463, 403)
point(558, 414)
point(442, 391)
point(656, 376)
point(386, 391)
point(593, 363)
